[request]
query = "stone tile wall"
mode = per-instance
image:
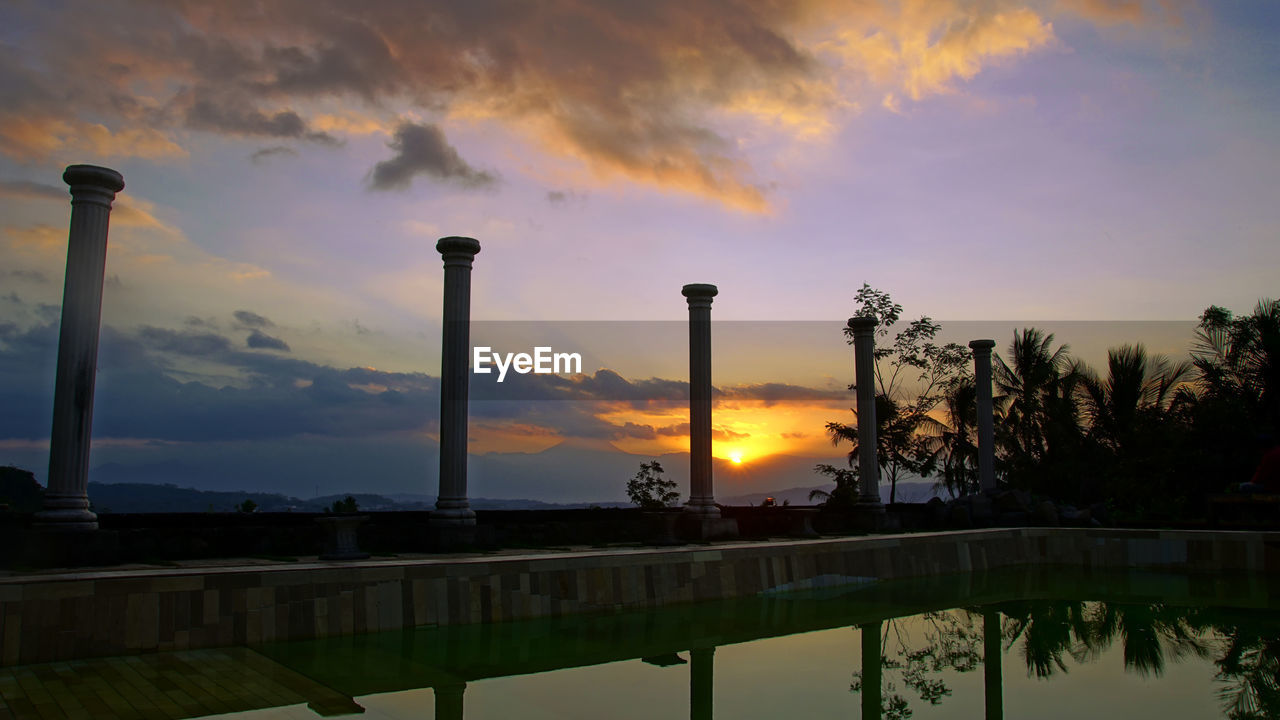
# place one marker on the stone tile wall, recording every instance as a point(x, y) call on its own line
point(56, 617)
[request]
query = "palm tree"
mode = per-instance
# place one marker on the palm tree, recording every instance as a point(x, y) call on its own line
point(901, 438)
point(953, 441)
point(1032, 379)
point(1138, 387)
point(1238, 359)
point(1250, 670)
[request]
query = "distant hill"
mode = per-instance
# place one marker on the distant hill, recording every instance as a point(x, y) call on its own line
point(156, 498)
point(167, 497)
point(790, 496)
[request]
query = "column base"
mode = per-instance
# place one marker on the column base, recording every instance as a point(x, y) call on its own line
point(703, 528)
point(870, 517)
point(452, 516)
point(66, 519)
point(703, 507)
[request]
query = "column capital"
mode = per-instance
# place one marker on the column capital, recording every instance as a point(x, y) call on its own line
point(699, 294)
point(90, 183)
point(862, 325)
point(981, 345)
point(458, 250)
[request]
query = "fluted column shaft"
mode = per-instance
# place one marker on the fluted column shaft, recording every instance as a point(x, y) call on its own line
point(871, 670)
point(701, 497)
point(452, 506)
point(864, 361)
point(66, 500)
point(702, 683)
point(986, 413)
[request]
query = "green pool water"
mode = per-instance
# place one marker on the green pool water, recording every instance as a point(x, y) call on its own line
point(1020, 644)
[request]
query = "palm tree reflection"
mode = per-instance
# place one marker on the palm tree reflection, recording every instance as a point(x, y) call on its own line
point(1053, 635)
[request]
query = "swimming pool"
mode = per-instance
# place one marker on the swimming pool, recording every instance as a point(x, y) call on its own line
point(1068, 643)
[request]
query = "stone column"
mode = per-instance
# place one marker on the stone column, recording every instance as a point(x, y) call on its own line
point(870, 670)
point(702, 683)
point(701, 498)
point(452, 507)
point(66, 500)
point(864, 361)
point(986, 413)
point(991, 667)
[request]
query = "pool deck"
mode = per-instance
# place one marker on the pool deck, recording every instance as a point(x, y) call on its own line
point(65, 614)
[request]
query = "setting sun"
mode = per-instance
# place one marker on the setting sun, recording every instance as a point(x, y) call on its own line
point(736, 457)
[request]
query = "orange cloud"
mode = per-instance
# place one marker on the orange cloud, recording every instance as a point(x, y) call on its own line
point(26, 138)
point(664, 93)
point(924, 47)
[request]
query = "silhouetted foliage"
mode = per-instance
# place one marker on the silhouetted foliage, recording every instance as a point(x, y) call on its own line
point(19, 490)
point(650, 490)
point(912, 375)
point(844, 494)
point(1149, 437)
point(345, 505)
point(248, 506)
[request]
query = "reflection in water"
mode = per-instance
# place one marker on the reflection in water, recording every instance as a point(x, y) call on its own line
point(991, 664)
point(870, 680)
point(449, 700)
point(701, 683)
point(920, 645)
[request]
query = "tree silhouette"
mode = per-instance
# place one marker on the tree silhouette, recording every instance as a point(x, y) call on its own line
point(649, 490)
point(911, 374)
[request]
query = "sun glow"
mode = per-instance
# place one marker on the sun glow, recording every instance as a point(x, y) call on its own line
point(735, 456)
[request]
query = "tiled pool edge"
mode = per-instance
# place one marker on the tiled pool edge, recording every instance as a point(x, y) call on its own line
point(58, 617)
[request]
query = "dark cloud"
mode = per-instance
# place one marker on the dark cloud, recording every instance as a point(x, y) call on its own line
point(267, 153)
point(771, 393)
point(34, 276)
point(25, 189)
point(677, 430)
point(261, 341)
point(566, 197)
point(141, 392)
point(632, 89)
point(423, 150)
point(184, 342)
point(240, 118)
point(194, 385)
point(251, 319)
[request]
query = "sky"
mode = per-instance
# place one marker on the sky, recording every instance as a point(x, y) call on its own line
point(272, 303)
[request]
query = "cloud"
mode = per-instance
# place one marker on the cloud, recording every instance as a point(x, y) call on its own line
point(562, 197)
point(773, 393)
point(260, 341)
point(266, 153)
point(252, 319)
point(239, 119)
point(921, 48)
point(665, 93)
point(423, 150)
point(126, 210)
point(34, 276)
point(183, 342)
point(26, 190)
